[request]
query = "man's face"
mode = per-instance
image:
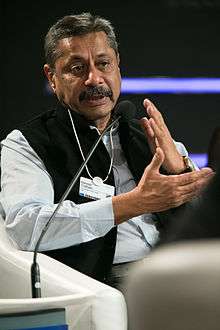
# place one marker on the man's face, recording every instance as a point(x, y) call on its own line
point(87, 76)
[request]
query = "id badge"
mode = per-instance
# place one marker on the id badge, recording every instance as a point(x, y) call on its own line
point(95, 189)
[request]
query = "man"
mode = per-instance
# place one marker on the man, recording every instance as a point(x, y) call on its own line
point(132, 167)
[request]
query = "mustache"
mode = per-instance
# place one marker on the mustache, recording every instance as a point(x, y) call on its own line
point(95, 91)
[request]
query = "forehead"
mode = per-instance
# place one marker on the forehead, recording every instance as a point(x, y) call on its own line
point(95, 43)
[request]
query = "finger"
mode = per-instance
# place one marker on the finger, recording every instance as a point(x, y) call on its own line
point(208, 170)
point(184, 199)
point(146, 103)
point(184, 196)
point(163, 137)
point(153, 112)
point(203, 173)
point(193, 187)
point(177, 201)
point(160, 131)
point(157, 160)
point(191, 177)
point(157, 122)
point(147, 127)
point(187, 196)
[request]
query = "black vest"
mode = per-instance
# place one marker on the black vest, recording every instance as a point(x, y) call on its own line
point(51, 136)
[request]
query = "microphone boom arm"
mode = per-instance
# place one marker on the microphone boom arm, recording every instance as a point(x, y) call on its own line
point(35, 270)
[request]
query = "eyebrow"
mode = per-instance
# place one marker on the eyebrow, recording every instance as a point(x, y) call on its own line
point(80, 57)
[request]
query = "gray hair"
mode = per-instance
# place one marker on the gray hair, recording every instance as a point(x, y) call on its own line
point(76, 25)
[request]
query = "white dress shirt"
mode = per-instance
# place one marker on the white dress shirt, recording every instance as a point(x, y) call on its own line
point(27, 200)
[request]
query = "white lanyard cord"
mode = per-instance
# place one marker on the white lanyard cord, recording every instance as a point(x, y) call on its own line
point(83, 157)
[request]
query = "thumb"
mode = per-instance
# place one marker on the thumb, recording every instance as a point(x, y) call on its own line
point(157, 160)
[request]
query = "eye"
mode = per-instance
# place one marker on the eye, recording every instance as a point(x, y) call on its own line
point(77, 68)
point(104, 65)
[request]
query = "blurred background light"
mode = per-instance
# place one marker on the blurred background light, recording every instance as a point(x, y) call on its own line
point(200, 159)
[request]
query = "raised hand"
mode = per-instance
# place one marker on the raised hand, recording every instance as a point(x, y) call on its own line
point(158, 192)
point(158, 135)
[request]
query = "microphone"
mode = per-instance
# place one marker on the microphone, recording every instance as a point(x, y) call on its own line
point(124, 111)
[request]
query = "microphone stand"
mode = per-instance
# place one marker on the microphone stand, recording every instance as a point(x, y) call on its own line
point(35, 269)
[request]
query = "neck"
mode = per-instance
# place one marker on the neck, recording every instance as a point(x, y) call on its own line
point(102, 123)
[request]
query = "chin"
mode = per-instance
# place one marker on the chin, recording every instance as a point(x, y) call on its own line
point(97, 112)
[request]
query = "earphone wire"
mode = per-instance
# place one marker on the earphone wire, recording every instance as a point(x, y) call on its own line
point(82, 154)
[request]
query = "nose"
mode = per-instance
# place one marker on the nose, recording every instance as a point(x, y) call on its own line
point(94, 77)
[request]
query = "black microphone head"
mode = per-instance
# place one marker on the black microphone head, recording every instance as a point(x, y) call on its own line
point(126, 110)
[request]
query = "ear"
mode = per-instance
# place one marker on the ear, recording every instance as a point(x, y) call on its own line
point(50, 76)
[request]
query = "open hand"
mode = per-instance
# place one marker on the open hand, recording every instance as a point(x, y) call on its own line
point(158, 192)
point(158, 135)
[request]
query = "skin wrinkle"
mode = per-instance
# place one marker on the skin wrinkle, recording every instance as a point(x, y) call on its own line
point(98, 66)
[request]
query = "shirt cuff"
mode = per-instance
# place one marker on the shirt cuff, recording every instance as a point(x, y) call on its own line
point(97, 218)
